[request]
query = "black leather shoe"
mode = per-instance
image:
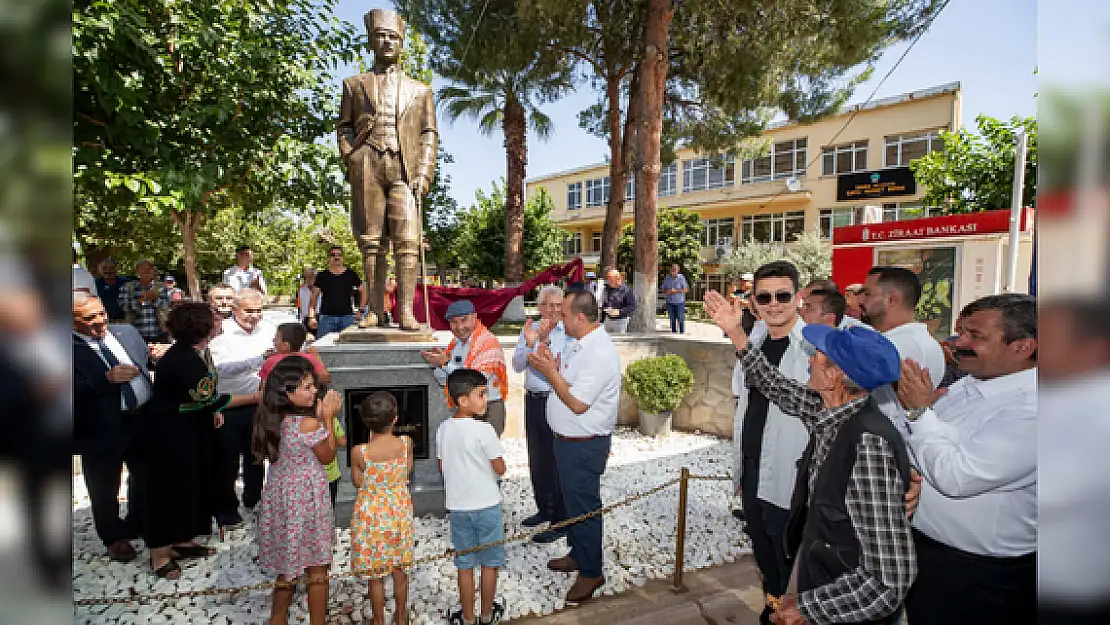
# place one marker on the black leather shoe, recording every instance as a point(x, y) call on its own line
point(549, 536)
point(534, 520)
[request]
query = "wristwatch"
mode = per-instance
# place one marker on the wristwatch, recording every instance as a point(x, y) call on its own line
point(913, 414)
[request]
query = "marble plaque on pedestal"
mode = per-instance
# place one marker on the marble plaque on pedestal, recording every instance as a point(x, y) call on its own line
point(360, 368)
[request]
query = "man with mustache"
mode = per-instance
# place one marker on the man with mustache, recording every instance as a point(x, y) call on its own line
point(975, 444)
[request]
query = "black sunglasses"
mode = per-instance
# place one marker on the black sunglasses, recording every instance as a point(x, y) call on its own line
point(782, 297)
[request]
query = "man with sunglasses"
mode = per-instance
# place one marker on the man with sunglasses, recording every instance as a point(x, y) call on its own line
point(767, 442)
point(334, 290)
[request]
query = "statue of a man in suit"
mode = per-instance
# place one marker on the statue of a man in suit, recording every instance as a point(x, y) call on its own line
point(387, 137)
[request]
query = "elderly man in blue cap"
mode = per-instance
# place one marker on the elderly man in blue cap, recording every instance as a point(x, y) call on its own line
point(473, 347)
point(849, 535)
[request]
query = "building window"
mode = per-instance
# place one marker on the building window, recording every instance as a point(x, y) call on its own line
point(668, 180)
point(773, 228)
point(574, 195)
point(900, 211)
point(844, 159)
point(572, 245)
point(903, 149)
point(707, 282)
point(597, 192)
point(699, 174)
point(713, 230)
point(630, 188)
point(595, 242)
point(787, 158)
point(832, 218)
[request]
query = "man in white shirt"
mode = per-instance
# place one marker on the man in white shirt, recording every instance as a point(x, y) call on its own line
point(547, 331)
point(242, 275)
point(582, 412)
point(889, 299)
point(238, 353)
point(975, 444)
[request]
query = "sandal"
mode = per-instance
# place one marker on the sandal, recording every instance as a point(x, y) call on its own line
point(169, 569)
point(190, 552)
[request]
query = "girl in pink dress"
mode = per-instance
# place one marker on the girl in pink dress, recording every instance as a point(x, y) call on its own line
point(296, 526)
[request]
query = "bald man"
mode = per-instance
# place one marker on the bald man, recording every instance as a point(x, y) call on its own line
point(111, 389)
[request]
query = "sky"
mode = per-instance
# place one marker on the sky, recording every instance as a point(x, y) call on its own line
point(989, 46)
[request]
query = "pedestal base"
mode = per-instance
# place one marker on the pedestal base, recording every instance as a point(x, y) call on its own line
point(392, 334)
point(392, 364)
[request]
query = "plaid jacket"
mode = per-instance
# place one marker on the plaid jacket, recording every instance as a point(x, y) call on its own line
point(875, 502)
point(146, 313)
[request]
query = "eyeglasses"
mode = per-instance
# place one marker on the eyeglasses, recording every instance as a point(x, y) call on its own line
point(782, 297)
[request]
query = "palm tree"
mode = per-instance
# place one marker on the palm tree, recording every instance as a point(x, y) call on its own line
point(509, 98)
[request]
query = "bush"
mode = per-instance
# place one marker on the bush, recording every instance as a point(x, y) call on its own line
point(658, 384)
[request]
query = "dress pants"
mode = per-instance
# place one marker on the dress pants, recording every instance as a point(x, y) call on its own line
point(541, 453)
point(232, 441)
point(765, 524)
point(954, 587)
point(103, 469)
point(579, 464)
point(677, 315)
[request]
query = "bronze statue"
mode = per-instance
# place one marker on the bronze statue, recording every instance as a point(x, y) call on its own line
point(387, 137)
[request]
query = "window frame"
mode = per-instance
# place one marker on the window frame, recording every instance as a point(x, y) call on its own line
point(714, 225)
point(668, 174)
point(704, 166)
point(591, 188)
point(855, 149)
point(574, 189)
point(929, 136)
point(777, 225)
point(572, 245)
point(798, 156)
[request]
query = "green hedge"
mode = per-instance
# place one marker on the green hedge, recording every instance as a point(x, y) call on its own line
point(658, 384)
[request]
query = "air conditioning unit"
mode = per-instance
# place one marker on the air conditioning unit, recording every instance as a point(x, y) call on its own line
point(725, 242)
point(871, 214)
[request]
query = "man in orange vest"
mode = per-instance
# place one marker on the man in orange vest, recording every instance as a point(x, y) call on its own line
point(473, 347)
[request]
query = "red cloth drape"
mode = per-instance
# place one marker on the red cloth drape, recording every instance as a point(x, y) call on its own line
point(490, 304)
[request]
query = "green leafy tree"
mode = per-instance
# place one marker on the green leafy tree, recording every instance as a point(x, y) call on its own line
point(751, 255)
point(680, 233)
point(482, 235)
point(500, 82)
point(975, 172)
point(441, 221)
point(190, 108)
point(812, 255)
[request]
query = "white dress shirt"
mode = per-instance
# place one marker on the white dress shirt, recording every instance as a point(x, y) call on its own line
point(240, 278)
point(557, 342)
point(977, 450)
point(139, 384)
point(238, 356)
point(455, 360)
point(914, 342)
point(592, 369)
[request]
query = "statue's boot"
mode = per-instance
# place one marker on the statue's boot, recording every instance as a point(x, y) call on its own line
point(370, 266)
point(407, 271)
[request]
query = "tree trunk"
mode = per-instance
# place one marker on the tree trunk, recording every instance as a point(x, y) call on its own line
point(653, 76)
point(515, 126)
point(188, 221)
point(610, 234)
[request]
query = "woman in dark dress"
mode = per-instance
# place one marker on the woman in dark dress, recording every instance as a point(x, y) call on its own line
point(179, 436)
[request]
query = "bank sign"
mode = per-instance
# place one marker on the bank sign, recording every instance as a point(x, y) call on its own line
point(866, 185)
point(988, 222)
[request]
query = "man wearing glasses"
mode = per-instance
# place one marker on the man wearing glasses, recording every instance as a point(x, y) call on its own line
point(238, 353)
point(767, 442)
point(333, 294)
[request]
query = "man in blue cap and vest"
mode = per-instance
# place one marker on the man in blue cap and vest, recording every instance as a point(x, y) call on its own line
point(849, 535)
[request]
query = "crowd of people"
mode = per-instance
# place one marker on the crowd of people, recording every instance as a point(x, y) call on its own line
point(879, 472)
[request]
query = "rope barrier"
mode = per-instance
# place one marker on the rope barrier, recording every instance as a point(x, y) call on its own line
point(135, 597)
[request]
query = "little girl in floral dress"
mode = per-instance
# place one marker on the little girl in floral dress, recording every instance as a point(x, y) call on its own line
point(381, 523)
point(296, 528)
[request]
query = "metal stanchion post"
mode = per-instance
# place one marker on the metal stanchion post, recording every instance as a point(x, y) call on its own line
point(680, 531)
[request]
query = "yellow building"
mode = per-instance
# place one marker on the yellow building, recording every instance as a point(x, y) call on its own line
point(807, 180)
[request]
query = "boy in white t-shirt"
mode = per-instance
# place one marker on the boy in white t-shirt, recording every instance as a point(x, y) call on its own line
point(471, 459)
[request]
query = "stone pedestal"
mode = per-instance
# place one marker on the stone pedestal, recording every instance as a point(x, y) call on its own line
point(364, 361)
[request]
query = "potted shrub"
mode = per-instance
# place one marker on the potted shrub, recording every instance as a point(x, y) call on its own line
point(658, 385)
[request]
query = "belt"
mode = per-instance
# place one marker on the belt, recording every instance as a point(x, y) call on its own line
point(537, 394)
point(575, 439)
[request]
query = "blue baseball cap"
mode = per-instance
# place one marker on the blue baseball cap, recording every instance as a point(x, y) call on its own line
point(461, 308)
point(867, 357)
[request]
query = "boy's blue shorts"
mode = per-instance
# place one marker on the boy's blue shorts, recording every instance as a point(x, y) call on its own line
point(470, 528)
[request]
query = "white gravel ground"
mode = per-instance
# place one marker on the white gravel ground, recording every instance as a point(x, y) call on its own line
point(639, 545)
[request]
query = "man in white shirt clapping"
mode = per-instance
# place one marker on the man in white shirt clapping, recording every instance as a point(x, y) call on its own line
point(975, 445)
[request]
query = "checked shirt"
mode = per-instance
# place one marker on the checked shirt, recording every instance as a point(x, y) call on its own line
point(875, 501)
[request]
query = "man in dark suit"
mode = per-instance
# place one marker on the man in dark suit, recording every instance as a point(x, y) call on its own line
point(111, 386)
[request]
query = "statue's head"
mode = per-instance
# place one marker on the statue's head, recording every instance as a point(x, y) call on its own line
point(386, 30)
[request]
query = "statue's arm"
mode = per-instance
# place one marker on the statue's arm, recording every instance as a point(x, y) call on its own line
point(428, 133)
point(345, 133)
